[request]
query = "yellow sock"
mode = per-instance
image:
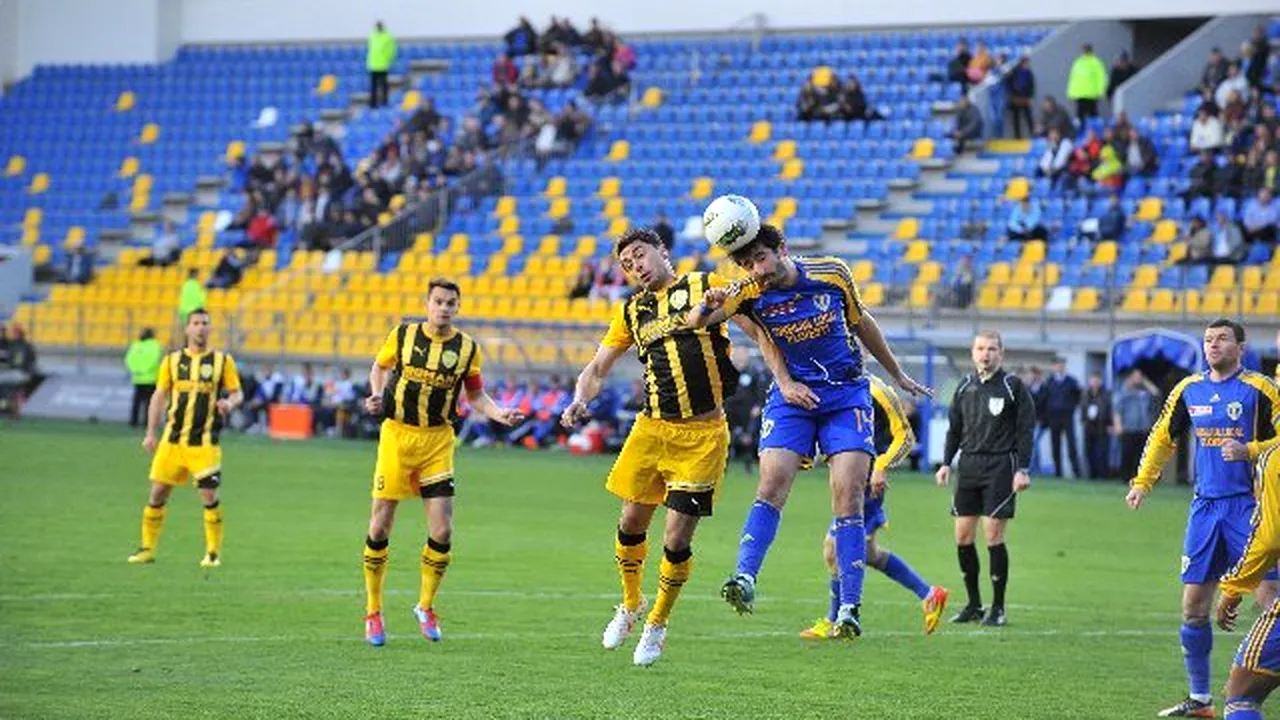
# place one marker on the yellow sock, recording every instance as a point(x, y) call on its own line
point(375, 572)
point(435, 560)
point(213, 530)
point(152, 523)
point(630, 560)
point(671, 577)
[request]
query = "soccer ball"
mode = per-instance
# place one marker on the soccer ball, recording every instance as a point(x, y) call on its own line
point(730, 222)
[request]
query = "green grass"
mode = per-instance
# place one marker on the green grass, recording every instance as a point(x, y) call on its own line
point(276, 632)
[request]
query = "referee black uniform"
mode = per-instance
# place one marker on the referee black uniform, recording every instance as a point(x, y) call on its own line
point(992, 422)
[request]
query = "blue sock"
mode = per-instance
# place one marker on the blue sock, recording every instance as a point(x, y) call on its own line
point(900, 572)
point(835, 598)
point(851, 557)
point(1241, 709)
point(1197, 645)
point(757, 535)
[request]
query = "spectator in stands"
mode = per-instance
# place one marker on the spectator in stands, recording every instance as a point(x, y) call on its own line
point(1238, 132)
point(609, 282)
point(522, 39)
point(271, 387)
point(560, 32)
point(262, 232)
point(22, 358)
point(1121, 71)
point(1054, 117)
point(1228, 180)
point(1020, 85)
point(596, 35)
point(853, 102)
point(1202, 183)
point(306, 389)
point(380, 57)
point(571, 126)
point(968, 124)
point(1254, 72)
point(1260, 217)
point(289, 213)
point(1112, 221)
point(563, 70)
point(79, 266)
point(1084, 157)
point(743, 409)
point(1134, 410)
point(1025, 222)
point(1139, 155)
point(1234, 82)
point(1086, 83)
point(807, 102)
point(1096, 419)
point(1206, 132)
point(980, 64)
point(1056, 156)
point(229, 270)
point(582, 284)
point(1199, 241)
point(1120, 125)
point(1109, 172)
point(1062, 397)
point(958, 65)
point(961, 283)
point(142, 360)
point(1215, 71)
point(504, 71)
point(1228, 242)
point(1267, 176)
point(191, 296)
point(164, 249)
point(666, 233)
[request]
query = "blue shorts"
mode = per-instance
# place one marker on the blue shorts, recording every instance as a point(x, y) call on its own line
point(1260, 649)
point(842, 422)
point(1217, 532)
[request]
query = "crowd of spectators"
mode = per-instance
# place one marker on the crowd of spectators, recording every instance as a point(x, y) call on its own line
point(554, 58)
point(825, 97)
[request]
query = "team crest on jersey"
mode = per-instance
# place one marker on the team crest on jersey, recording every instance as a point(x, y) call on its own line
point(679, 299)
point(995, 405)
point(448, 358)
point(766, 428)
point(823, 301)
point(206, 372)
point(1234, 410)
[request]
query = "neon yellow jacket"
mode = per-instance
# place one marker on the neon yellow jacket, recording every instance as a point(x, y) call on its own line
point(1088, 78)
point(382, 51)
point(143, 360)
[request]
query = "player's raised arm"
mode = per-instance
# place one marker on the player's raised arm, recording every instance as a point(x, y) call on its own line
point(1263, 549)
point(901, 437)
point(1163, 440)
point(617, 340)
point(868, 331)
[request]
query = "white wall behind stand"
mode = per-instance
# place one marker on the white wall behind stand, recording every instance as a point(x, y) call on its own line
point(8, 41)
point(90, 31)
point(206, 21)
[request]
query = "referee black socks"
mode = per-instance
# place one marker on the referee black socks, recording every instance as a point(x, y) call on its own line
point(999, 572)
point(970, 566)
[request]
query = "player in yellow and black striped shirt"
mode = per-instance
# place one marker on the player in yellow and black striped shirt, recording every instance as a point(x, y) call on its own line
point(189, 397)
point(676, 452)
point(415, 384)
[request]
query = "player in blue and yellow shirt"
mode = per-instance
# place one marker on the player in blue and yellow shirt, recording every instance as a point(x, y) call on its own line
point(1233, 416)
point(1256, 671)
point(812, 312)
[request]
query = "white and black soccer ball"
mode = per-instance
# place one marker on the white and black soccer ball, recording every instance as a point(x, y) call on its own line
point(730, 222)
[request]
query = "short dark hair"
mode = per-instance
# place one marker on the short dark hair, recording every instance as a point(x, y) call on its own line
point(768, 236)
point(636, 235)
point(197, 311)
point(444, 284)
point(1236, 328)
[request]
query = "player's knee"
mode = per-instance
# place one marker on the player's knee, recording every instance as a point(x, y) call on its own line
point(1193, 618)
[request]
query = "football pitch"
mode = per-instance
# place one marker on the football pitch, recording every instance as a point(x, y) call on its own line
point(277, 630)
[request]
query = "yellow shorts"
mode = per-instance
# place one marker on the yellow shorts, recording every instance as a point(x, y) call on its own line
point(173, 463)
point(411, 458)
point(660, 456)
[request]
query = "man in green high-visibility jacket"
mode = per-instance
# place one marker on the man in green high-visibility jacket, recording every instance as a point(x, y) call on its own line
point(380, 58)
point(191, 296)
point(143, 361)
point(1086, 83)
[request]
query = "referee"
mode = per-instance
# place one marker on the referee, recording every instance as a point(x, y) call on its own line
point(993, 419)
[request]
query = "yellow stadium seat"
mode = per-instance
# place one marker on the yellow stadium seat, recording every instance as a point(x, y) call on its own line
point(792, 169)
point(863, 271)
point(1017, 189)
point(235, 149)
point(1150, 209)
point(1025, 274)
point(1166, 232)
point(784, 150)
point(32, 217)
point(1217, 302)
point(761, 131)
point(1146, 276)
point(128, 167)
point(39, 183)
point(42, 255)
point(549, 245)
point(917, 251)
point(1251, 277)
point(822, 76)
point(918, 296)
point(999, 273)
point(559, 208)
point(512, 245)
point(587, 246)
point(652, 97)
point(554, 266)
point(126, 101)
point(1177, 253)
point(509, 225)
point(619, 151)
point(74, 239)
point(1163, 300)
point(922, 149)
point(497, 265)
point(615, 207)
point(522, 284)
point(1135, 300)
point(150, 133)
point(1105, 253)
point(1085, 299)
point(1033, 251)
point(1268, 303)
point(397, 203)
point(1012, 298)
point(423, 242)
point(609, 187)
point(907, 229)
point(930, 272)
point(458, 244)
point(555, 187)
point(873, 294)
point(619, 226)
point(1033, 299)
point(411, 100)
point(326, 85)
point(16, 166)
point(785, 208)
point(702, 188)
point(506, 206)
point(1224, 276)
point(989, 297)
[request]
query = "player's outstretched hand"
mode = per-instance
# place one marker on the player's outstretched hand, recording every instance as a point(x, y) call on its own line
point(576, 411)
point(224, 407)
point(1235, 451)
point(1021, 481)
point(879, 483)
point(1228, 611)
point(373, 404)
point(798, 394)
point(149, 443)
point(509, 416)
point(943, 475)
point(714, 297)
point(1135, 497)
point(907, 383)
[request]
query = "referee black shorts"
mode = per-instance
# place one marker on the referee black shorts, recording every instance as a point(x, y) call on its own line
point(985, 486)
